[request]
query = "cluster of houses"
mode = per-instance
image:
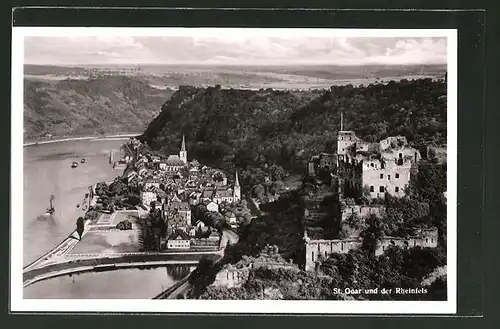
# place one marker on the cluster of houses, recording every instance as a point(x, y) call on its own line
point(174, 185)
point(362, 170)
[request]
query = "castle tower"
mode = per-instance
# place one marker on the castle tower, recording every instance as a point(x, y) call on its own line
point(237, 189)
point(345, 139)
point(183, 153)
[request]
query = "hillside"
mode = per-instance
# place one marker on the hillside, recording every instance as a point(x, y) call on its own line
point(231, 128)
point(104, 105)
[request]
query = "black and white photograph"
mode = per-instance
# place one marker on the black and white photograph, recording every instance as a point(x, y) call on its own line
point(257, 170)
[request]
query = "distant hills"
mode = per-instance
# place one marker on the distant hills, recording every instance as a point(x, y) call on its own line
point(103, 105)
point(103, 99)
point(247, 77)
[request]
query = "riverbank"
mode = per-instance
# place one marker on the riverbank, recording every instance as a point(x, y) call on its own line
point(167, 294)
point(69, 139)
point(110, 264)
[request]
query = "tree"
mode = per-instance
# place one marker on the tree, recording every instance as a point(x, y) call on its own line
point(259, 192)
point(277, 173)
point(372, 234)
point(111, 208)
point(80, 226)
point(275, 187)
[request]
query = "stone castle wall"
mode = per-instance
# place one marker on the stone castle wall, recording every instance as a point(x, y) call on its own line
point(427, 239)
point(363, 211)
point(231, 277)
point(316, 249)
point(323, 248)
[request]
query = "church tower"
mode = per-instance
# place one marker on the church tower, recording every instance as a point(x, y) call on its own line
point(237, 189)
point(183, 155)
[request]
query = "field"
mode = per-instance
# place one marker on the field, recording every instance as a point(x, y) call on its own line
point(103, 238)
point(115, 218)
point(244, 77)
point(108, 242)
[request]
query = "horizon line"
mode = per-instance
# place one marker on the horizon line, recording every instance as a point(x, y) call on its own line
point(224, 64)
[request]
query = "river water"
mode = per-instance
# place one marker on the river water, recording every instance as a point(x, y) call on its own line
point(119, 284)
point(47, 170)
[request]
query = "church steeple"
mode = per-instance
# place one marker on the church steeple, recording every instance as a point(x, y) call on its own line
point(236, 180)
point(237, 189)
point(183, 152)
point(183, 145)
point(341, 121)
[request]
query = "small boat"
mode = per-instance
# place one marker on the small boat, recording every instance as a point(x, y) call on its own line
point(74, 164)
point(83, 160)
point(50, 209)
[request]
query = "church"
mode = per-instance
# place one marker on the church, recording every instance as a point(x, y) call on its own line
point(176, 162)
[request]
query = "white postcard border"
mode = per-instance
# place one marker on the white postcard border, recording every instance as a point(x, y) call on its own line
point(18, 304)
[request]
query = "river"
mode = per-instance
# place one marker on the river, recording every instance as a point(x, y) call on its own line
point(119, 284)
point(47, 170)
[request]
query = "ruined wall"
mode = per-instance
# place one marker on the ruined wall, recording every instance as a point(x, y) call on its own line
point(345, 140)
point(426, 239)
point(315, 249)
point(323, 248)
point(327, 160)
point(350, 172)
point(397, 140)
point(312, 214)
point(231, 277)
point(274, 265)
point(310, 169)
point(407, 154)
point(366, 146)
point(363, 211)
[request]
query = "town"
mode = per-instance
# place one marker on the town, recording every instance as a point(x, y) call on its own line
point(190, 206)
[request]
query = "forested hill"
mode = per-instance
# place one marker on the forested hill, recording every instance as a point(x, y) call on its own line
point(242, 128)
point(106, 104)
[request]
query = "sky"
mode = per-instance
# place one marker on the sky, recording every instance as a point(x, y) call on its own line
point(233, 50)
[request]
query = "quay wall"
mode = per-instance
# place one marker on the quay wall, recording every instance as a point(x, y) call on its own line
point(70, 238)
point(107, 267)
point(166, 293)
point(119, 261)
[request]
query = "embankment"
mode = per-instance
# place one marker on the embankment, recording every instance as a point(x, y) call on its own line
point(167, 294)
point(71, 238)
point(110, 262)
point(68, 139)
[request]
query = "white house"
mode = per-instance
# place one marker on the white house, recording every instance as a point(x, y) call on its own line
point(148, 196)
point(212, 206)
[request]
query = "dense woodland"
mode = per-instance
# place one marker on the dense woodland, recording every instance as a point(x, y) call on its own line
point(253, 130)
point(101, 105)
point(396, 268)
point(281, 227)
point(267, 135)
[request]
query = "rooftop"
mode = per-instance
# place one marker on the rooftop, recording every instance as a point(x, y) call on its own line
point(178, 233)
point(174, 160)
